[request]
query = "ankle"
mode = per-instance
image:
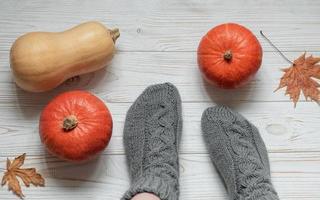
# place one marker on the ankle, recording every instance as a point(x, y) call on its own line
point(145, 196)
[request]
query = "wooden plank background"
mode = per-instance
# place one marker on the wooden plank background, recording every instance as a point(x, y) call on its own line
point(158, 43)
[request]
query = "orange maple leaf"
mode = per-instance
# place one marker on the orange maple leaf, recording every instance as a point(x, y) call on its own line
point(27, 175)
point(301, 76)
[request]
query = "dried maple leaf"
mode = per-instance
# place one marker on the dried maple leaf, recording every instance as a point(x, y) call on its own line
point(27, 175)
point(300, 78)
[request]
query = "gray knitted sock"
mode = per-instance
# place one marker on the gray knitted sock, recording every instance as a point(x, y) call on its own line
point(239, 154)
point(151, 136)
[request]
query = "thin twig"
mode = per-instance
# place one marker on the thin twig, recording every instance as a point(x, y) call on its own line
point(278, 50)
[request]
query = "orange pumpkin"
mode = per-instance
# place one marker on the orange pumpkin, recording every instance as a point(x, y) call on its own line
point(75, 126)
point(229, 55)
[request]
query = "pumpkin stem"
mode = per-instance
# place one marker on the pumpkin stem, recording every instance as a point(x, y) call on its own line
point(276, 48)
point(70, 123)
point(115, 33)
point(227, 55)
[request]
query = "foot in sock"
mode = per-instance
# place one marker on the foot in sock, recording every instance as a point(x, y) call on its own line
point(239, 154)
point(151, 137)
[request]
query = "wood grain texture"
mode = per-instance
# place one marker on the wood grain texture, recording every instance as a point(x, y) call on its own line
point(158, 43)
point(168, 26)
point(131, 72)
point(284, 129)
point(100, 179)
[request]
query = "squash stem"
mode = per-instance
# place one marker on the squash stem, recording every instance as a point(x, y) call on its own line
point(115, 34)
point(70, 123)
point(227, 55)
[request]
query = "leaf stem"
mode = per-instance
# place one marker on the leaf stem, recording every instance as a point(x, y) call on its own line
point(276, 48)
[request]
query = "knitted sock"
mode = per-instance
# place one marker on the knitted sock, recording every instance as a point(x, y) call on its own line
point(151, 136)
point(239, 154)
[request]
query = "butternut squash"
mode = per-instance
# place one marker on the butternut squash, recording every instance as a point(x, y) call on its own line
point(40, 61)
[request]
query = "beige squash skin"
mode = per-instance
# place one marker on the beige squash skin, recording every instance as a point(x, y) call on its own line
point(40, 61)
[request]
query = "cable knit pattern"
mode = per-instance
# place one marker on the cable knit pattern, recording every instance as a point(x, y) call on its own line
point(239, 153)
point(151, 136)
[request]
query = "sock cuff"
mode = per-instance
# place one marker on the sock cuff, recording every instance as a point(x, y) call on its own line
point(152, 184)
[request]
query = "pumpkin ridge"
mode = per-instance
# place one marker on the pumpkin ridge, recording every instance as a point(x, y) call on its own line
point(214, 43)
point(214, 64)
point(229, 70)
point(82, 141)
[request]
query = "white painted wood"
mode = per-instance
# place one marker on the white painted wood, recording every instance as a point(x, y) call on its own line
point(106, 178)
point(131, 72)
point(158, 43)
point(284, 129)
point(168, 25)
